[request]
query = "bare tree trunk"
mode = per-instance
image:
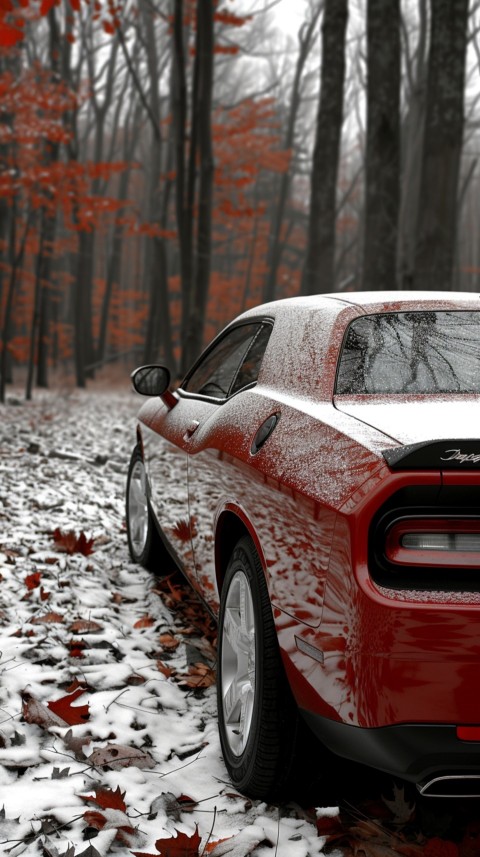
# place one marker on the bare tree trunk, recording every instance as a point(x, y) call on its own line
point(412, 147)
point(185, 184)
point(203, 85)
point(305, 38)
point(437, 222)
point(16, 259)
point(319, 269)
point(382, 198)
point(207, 168)
point(158, 334)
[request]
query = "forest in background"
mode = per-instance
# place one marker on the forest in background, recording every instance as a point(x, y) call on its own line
point(165, 164)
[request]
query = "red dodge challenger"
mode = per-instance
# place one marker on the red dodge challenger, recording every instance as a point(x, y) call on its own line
point(317, 478)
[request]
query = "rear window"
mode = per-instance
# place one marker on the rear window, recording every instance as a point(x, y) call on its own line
point(411, 352)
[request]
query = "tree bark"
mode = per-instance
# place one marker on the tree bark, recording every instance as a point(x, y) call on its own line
point(382, 197)
point(412, 134)
point(305, 38)
point(202, 88)
point(319, 269)
point(437, 220)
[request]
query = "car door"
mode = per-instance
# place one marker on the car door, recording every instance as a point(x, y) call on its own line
point(169, 436)
point(212, 471)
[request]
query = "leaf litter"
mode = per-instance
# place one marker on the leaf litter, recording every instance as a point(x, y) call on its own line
point(108, 734)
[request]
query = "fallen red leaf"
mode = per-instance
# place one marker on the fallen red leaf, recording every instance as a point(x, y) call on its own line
point(75, 684)
point(64, 709)
point(111, 819)
point(76, 648)
point(437, 847)
point(70, 543)
point(107, 799)
point(33, 580)
point(180, 845)
point(144, 622)
point(181, 530)
point(166, 671)
point(210, 846)
point(188, 803)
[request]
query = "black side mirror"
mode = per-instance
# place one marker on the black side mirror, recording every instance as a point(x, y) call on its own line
point(154, 380)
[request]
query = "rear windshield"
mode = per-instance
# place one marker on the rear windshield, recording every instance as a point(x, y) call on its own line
point(411, 352)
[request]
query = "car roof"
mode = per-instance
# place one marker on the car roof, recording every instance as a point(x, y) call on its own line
point(302, 357)
point(371, 302)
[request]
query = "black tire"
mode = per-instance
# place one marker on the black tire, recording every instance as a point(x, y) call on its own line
point(144, 543)
point(258, 755)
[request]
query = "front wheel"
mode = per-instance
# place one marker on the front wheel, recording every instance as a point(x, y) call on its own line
point(143, 538)
point(256, 712)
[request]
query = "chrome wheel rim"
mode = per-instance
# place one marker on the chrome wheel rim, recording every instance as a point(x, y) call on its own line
point(138, 508)
point(238, 663)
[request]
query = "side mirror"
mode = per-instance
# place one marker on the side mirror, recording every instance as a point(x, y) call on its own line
point(154, 380)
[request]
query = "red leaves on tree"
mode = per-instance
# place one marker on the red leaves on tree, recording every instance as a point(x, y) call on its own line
point(73, 715)
point(70, 543)
point(222, 16)
point(9, 36)
point(47, 5)
point(180, 845)
point(109, 27)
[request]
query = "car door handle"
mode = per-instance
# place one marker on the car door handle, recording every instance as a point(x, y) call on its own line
point(191, 429)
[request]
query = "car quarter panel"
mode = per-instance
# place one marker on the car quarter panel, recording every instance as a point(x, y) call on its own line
point(385, 656)
point(289, 491)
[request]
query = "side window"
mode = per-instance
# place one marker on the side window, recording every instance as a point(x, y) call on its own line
point(218, 370)
point(248, 371)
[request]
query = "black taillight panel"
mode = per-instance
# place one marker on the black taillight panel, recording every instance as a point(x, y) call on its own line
point(420, 539)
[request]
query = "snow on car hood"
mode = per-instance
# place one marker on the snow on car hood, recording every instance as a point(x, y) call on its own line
point(420, 418)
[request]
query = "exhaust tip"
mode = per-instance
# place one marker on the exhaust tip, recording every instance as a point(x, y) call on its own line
point(451, 785)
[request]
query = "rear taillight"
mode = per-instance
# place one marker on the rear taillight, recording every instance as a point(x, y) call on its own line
point(433, 542)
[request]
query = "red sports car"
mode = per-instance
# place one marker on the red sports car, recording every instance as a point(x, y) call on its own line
point(317, 478)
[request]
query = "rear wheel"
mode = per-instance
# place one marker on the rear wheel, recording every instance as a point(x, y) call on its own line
point(257, 715)
point(143, 539)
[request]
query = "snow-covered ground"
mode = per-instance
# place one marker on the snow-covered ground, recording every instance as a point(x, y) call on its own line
point(108, 734)
point(95, 626)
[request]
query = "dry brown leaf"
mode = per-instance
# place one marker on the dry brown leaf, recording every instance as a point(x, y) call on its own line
point(199, 675)
point(35, 711)
point(144, 622)
point(117, 756)
point(76, 745)
point(85, 626)
point(166, 671)
point(51, 618)
point(167, 641)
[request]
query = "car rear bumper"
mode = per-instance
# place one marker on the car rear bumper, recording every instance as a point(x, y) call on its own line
point(415, 752)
